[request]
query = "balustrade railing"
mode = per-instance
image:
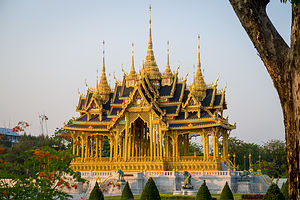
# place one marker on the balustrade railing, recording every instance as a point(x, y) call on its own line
point(147, 159)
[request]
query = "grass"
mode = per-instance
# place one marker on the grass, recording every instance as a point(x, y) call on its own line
point(137, 197)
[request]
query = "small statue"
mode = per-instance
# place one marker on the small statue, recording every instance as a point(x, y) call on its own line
point(121, 176)
point(187, 180)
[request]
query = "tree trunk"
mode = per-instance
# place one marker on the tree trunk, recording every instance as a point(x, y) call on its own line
point(283, 65)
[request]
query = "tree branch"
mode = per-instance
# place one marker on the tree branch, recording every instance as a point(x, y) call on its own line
point(272, 48)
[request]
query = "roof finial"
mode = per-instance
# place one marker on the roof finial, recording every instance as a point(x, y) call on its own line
point(150, 66)
point(150, 35)
point(103, 87)
point(103, 64)
point(199, 63)
point(168, 51)
point(132, 59)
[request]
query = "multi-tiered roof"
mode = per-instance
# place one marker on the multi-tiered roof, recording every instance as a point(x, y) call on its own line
point(176, 105)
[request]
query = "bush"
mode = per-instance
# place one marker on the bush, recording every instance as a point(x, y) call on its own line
point(150, 191)
point(203, 193)
point(285, 190)
point(226, 193)
point(273, 193)
point(96, 193)
point(127, 194)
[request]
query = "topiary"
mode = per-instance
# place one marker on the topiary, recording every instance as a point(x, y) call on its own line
point(203, 193)
point(226, 193)
point(150, 191)
point(127, 194)
point(96, 193)
point(285, 190)
point(273, 193)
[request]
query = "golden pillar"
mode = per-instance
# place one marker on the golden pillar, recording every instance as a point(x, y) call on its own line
point(110, 150)
point(97, 145)
point(92, 146)
point(77, 147)
point(82, 148)
point(125, 152)
point(86, 147)
point(151, 139)
point(129, 144)
point(100, 146)
point(225, 144)
point(73, 140)
point(161, 144)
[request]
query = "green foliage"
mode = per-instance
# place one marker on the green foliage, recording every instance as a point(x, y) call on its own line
point(297, 2)
point(195, 148)
point(226, 193)
point(203, 193)
point(150, 191)
point(285, 190)
point(273, 156)
point(273, 193)
point(38, 174)
point(96, 193)
point(126, 193)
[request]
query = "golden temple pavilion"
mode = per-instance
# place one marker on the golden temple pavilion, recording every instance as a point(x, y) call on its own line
point(149, 119)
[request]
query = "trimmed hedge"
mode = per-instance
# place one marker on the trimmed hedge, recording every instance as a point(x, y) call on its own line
point(226, 193)
point(203, 193)
point(150, 191)
point(273, 193)
point(126, 193)
point(96, 193)
point(285, 190)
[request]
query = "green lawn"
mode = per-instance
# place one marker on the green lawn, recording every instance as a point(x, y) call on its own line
point(137, 197)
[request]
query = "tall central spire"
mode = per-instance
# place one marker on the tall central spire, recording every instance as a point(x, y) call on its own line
point(150, 65)
point(103, 87)
point(199, 86)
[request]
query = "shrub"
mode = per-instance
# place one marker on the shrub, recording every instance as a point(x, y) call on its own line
point(273, 193)
point(226, 193)
point(127, 194)
point(96, 193)
point(203, 193)
point(285, 190)
point(150, 191)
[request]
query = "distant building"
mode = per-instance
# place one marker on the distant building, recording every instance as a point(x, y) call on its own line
point(10, 134)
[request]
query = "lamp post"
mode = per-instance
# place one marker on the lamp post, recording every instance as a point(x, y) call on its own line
point(259, 162)
point(244, 162)
point(250, 167)
point(234, 169)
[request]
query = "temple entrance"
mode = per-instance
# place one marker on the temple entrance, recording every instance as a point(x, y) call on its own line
point(139, 140)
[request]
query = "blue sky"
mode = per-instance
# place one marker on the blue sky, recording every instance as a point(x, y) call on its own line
point(48, 49)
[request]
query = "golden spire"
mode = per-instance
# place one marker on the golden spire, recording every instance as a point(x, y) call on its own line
point(168, 72)
point(150, 65)
point(132, 73)
point(103, 87)
point(199, 86)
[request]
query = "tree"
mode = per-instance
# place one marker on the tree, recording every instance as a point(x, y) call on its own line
point(226, 193)
point(273, 193)
point(203, 192)
point(96, 193)
point(38, 174)
point(126, 193)
point(283, 65)
point(150, 191)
